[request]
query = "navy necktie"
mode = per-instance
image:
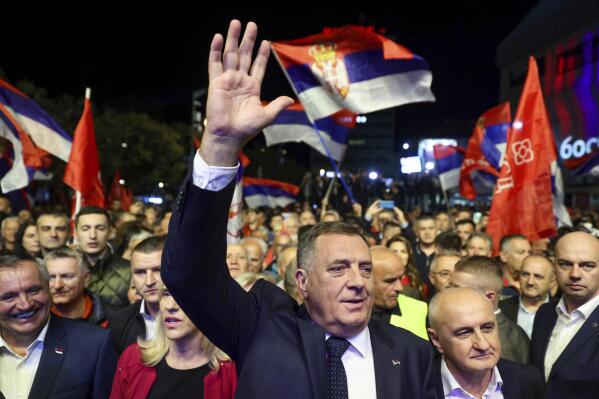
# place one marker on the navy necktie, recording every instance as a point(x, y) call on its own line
point(336, 378)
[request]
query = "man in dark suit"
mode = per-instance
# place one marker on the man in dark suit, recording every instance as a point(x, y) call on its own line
point(325, 349)
point(465, 332)
point(536, 275)
point(565, 337)
point(43, 356)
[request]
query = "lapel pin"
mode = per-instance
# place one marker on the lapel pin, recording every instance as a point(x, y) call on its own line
point(595, 324)
point(396, 362)
point(59, 350)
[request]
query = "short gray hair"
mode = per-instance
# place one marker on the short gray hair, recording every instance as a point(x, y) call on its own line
point(8, 219)
point(307, 240)
point(481, 235)
point(17, 260)
point(67, 253)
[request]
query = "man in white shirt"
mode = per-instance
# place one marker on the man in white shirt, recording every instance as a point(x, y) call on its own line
point(325, 348)
point(565, 343)
point(43, 356)
point(464, 330)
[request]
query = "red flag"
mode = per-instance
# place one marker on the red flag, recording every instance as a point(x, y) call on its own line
point(119, 192)
point(82, 172)
point(482, 153)
point(522, 201)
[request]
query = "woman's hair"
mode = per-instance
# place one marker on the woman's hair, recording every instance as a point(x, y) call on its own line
point(411, 270)
point(153, 350)
point(19, 248)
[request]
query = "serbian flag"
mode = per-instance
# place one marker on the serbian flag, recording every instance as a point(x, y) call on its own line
point(33, 135)
point(293, 125)
point(119, 192)
point(449, 160)
point(82, 173)
point(522, 202)
point(353, 68)
point(486, 147)
point(266, 192)
point(235, 223)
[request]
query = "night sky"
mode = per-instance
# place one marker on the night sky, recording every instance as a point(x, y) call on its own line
point(150, 58)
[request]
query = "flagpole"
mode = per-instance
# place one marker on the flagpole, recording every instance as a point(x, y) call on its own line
point(326, 149)
point(88, 93)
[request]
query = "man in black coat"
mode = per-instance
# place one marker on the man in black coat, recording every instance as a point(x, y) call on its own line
point(280, 348)
point(465, 332)
point(565, 336)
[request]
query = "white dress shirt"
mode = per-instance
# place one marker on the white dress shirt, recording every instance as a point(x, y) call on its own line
point(149, 321)
point(566, 327)
point(453, 390)
point(358, 360)
point(358, 363)
point(17, 372)
point(526, 318)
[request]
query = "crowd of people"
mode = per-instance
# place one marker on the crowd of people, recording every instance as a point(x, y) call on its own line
point(338, 303)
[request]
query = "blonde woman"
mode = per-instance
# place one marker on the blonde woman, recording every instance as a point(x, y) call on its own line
point(179, 362)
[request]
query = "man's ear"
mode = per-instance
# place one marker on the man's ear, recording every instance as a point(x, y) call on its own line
point(434, 339)
point(491, 295)
point(302, 281)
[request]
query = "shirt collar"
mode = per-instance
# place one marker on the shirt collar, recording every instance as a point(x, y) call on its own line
point(38, 340)
point(583, 311)
point(522, 308)
point(450, 384)
point(360, 342)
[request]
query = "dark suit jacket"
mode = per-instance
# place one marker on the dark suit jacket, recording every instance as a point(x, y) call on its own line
point(575, 373)
point(509, 307)
point(279, 352)
point(78, 361)
point(520, 381)
point(126, 325)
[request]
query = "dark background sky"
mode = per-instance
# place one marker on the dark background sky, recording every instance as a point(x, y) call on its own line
point(150, 57)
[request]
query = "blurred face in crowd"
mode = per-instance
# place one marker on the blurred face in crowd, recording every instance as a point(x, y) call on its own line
point(443, 222)
point(463, 215)
point(145, 273)
point(9, 231)
point(92, 233)
point(535, 277)
point(390, 231)
point(251, 216)
point(255, 255)
point(284, 259)
point(577, 268)
point(307, 219)
point(478, 246)
point(5, 205)
point(24, 303)
point(176, 324)
point(517, 249)
point(52, 231)
point(401, 249)
point(132, 294)
point(67, 280)
point(337, 287)
point(291, 226)
point(464, 230)
point(31, 241)
point(464, 331)
point(237, 259)
point(25, 215)
point(279, 243)
point(276, 223)
point(387, 273)
point(165, 221)
point(441, 270)
point(330, 217)
point(426, 231)
point(137, 208)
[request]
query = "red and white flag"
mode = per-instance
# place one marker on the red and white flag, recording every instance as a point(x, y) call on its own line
point(522, 202)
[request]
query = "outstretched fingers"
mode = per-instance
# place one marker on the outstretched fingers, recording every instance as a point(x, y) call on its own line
point(275, 107)
point(259, 66)
point(247, 47)
point(231, 55)
point(215, 66)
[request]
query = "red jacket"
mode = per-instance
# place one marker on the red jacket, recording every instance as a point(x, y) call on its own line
point(133, 379)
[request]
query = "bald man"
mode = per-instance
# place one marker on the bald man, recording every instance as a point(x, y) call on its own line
point(464, 331)
point(565, 337)
point(484, 274)
point(441, 269)
point(390, 305)
point(536, 275)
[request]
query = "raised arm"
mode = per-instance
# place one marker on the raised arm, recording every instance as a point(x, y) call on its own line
point(234, 110)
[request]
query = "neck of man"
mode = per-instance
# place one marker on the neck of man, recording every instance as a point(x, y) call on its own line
point(10, 246)
point(186, 353)
point(73, 310)
point(152, 309)
point(428, 249)
point(95, 258)
point(20, 343)
point(573, 303)
point(474, 383)
point(533, 303)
